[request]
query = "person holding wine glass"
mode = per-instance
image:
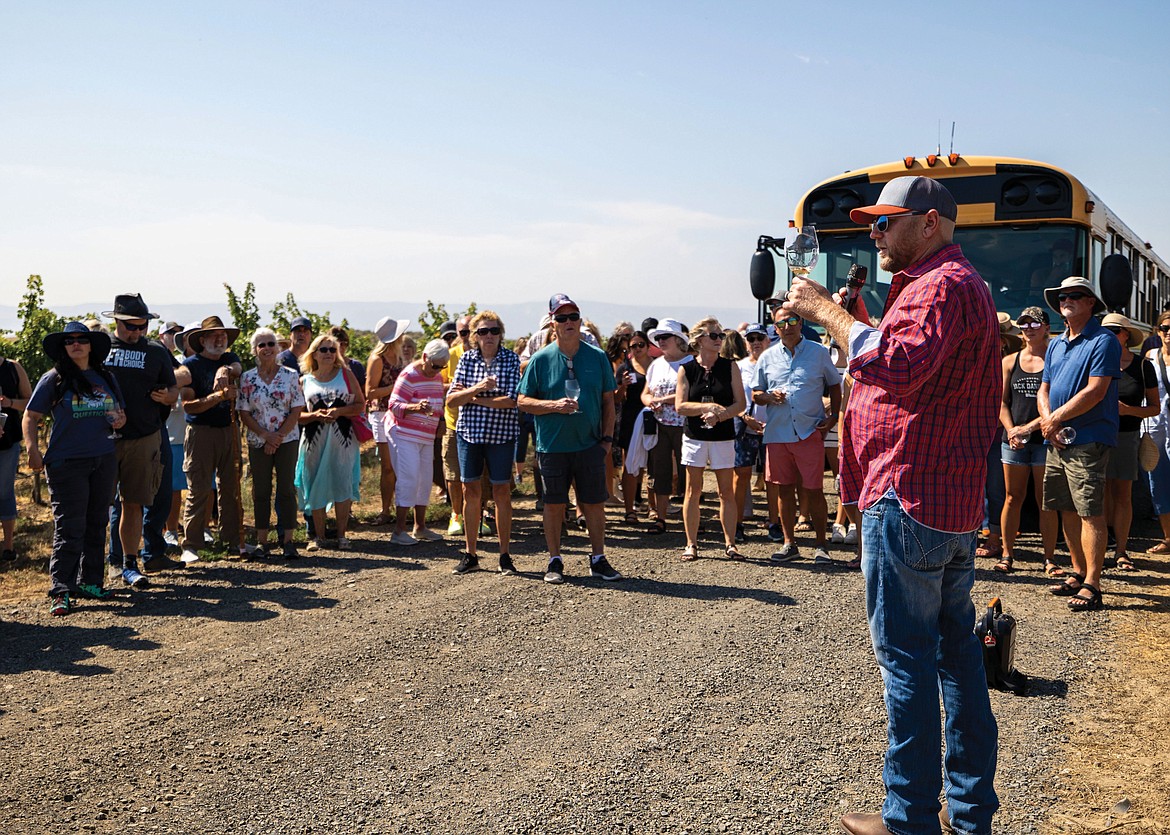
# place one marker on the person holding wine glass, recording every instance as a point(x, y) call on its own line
point(658, 395)
point(79, 461)
point(710, 395)
point(484, 391)
point(1078, 392)
point(568, 385)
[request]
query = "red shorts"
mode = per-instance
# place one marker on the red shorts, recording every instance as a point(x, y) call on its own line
point(782, 462)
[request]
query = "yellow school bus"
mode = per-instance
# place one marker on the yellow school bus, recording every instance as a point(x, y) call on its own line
point(1024, 225)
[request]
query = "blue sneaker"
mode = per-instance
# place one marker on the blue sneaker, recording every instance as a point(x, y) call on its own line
point(775, 532)
point(134, 579)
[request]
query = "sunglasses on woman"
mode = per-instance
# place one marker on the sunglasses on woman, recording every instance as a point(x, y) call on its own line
point(268, 344)
point(326, 349)
point(638, 346)
point(1031, 326)
point(75, 340)
point(883, 222)
point(714, 337)
point(1164, 328)
point(486, 331)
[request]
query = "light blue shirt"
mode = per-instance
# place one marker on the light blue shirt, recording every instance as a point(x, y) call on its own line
point(804, 374)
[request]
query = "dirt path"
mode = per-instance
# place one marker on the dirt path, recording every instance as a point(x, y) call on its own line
point(374, 692)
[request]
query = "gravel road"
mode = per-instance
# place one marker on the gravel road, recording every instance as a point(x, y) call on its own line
point(375, 692)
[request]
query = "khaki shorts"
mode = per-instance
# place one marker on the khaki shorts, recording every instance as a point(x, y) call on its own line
point(1074, 479)
point(140, 469)
point(450, 456)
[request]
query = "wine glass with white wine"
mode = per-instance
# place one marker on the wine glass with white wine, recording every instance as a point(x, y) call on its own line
point(801, 250)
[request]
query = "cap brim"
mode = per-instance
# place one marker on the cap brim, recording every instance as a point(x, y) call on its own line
point(868, 214)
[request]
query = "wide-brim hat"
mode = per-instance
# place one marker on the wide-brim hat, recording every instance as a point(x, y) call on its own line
point(906, 195)
point(130, 306)
point(99, 341)
point(671, 327)
point(208, 325)
point(1009, 332)
point(1136, 330)
point(388, 329)
point(1073, 282)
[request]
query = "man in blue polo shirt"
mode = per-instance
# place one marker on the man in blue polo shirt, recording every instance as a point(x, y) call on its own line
point(1077, 401)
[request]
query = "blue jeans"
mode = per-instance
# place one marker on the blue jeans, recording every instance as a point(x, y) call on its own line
point(1160, 484)
point(921, 619)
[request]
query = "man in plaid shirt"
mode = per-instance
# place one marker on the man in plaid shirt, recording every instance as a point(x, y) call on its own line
point(919, 424)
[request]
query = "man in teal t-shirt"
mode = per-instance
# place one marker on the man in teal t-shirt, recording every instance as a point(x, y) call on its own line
point(568, 385)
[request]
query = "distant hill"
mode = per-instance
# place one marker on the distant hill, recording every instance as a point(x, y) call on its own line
point(519, 319)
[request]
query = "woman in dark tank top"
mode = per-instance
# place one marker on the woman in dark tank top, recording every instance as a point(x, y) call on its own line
point(1023, 448)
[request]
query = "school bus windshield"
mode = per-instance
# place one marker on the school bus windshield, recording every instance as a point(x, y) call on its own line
point(1017, 262)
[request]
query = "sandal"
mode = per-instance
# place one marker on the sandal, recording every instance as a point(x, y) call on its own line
point(381, 519)
point(1092, 603)
point(1067, 588)
point(854, 564)
point(733, 553)
point(632, 518)
point(990, 553)
point(1004, 566)
point(1052, 569)
point(658, 527)
point(804, 525)
point(689, 554)
point(1124, 563)
point(1162, 547)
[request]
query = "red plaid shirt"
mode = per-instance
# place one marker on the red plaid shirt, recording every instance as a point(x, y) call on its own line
point(925, 403)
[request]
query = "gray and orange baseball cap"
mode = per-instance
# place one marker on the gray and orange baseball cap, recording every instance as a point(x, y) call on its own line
point(909, 195)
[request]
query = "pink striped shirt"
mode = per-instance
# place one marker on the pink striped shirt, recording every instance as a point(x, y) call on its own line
point(413, 387)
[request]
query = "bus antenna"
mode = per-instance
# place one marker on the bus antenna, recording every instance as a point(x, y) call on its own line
point(938, 147)
point(952, 151)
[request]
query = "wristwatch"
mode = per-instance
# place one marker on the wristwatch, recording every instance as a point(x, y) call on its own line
point(607, 439)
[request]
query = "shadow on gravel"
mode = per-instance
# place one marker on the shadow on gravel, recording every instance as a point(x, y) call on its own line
point(1046, 687)
point(61, 648)
point(690, 591)
point(234, 603)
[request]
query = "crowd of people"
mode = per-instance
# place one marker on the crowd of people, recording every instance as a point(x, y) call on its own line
point(930, 431)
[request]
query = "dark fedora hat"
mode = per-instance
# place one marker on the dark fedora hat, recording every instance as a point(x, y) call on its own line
point(99, 342)
point(211, 323)
point(130, 306)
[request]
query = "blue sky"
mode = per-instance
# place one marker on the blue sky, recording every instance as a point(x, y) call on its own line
point(503, 151)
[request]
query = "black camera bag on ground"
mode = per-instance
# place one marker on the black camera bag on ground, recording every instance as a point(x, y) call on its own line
point(997, 632)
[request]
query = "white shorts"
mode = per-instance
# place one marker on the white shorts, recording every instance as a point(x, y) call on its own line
point(414, 465)
point(378, 424)
point(716, 455)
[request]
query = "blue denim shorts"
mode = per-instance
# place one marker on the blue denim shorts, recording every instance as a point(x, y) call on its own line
point(1032, 455)
point(497, 457)
point(747, 449)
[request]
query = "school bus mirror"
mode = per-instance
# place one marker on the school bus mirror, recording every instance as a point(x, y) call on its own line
point(763, 274)
point(1116, 280)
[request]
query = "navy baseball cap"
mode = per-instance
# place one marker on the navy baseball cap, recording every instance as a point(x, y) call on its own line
point(903, 195)
point(300, 322)
point(756, 328)
point(560, 300)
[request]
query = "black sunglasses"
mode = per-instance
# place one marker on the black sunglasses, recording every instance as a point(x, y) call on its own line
point(883, 222)
point(1114, 328)
point(755, 337)
point(465, 332)
point(1074, 297)
point(714, 337)
point(75, 340)
point(637, 346)
point(327, 349)
point(268, 344)
point(436, 367)
point(1164, 328)
point(566, 317)
point(131, 327)
point(486, 331)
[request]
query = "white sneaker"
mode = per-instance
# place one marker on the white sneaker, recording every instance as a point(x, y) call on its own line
point(425, 535)
point(838, 535)
point(188, 556)
point(171, 539)
point(821, 557)
point(851, 535)
point(403, 538)
point(313, 545)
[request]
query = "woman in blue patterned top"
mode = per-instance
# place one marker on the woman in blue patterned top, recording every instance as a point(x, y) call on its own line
point(484, 391)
